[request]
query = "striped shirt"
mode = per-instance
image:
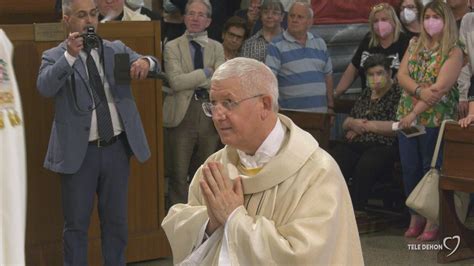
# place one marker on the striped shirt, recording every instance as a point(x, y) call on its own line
point(300, 71)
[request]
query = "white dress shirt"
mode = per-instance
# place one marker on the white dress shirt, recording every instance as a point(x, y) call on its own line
point(116, 122)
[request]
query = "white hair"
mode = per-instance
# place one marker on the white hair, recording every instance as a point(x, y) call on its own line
point(204, 2)
point(306, 4)
point(254, 76)
point(66, 6)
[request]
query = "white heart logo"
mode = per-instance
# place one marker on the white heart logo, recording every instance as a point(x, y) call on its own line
point(445, 240)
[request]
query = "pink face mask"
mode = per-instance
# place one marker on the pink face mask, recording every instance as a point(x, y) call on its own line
point(433, 26)
point(383, 28)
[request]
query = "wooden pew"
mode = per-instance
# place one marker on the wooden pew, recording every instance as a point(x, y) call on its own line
point(146, 184)
point(457, 174)
point(317, 124)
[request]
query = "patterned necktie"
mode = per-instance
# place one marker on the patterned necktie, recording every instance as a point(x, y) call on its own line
point(198, 60)
point(104, 120)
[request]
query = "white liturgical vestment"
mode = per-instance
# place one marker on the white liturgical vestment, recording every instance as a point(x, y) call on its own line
point(297, 211)
point(12, 162)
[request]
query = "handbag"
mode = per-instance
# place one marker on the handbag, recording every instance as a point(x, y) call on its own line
point(424, 199)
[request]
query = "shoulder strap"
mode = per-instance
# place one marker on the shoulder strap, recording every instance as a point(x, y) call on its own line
point(438, 142)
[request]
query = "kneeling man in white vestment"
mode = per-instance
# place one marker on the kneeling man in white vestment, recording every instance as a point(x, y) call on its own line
point(271, 196)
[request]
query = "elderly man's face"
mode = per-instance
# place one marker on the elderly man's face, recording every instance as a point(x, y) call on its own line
point(110, 7)
point(196, 19)
point(83, 13)
point(299, 20)
point(239, 125)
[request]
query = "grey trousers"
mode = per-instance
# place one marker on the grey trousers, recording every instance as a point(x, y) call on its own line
point(188, 146)
point(104, 173)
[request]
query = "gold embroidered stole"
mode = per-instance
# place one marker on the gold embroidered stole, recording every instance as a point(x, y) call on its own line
point(7, 97)
point(260, 203)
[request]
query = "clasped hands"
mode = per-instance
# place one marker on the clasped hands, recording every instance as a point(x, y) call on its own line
point(221, 195)
point(429, 94)
point(138, 70)
point(358, 127)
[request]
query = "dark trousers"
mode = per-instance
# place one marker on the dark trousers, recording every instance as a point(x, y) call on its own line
point(188, 146)
point(104, 173)
point(362, 164)
point(415, 156)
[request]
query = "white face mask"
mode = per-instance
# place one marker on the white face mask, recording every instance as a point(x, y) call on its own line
point(407, 16)
point(135, 4)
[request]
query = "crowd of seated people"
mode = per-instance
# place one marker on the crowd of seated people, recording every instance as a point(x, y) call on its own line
point(401, 62)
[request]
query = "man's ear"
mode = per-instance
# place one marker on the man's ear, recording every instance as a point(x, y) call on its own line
point(66, 20)
point(209, 22)
point(267, 105)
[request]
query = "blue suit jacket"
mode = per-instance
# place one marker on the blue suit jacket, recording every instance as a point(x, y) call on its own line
point(71, 125)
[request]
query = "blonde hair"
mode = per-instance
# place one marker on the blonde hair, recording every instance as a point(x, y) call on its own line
point(450, 32)
point(374, 39)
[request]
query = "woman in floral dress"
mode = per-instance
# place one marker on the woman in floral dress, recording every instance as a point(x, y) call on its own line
point(428, 74)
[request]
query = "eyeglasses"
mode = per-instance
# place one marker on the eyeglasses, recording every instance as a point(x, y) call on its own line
point(228, 105)
point(272, 13)
point(235, 36)
point(83, 14)
point(198, 15)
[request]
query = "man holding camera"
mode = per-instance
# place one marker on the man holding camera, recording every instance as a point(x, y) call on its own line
point(96, 128)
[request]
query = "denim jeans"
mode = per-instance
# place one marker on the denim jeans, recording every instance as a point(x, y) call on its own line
point(416, 154)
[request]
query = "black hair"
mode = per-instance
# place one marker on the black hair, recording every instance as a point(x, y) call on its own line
point(377, 60)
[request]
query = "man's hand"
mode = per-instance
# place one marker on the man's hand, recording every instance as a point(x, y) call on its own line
point(213, 224)
point(139, 69)
point(74, 43)
point(221, 195)
point(463, 108)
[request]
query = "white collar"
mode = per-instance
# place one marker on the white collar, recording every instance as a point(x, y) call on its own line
point(267, 150)
point(199, 37)
point(133, 15)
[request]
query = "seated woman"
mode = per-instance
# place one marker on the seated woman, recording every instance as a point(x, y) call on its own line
point(370, 148)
